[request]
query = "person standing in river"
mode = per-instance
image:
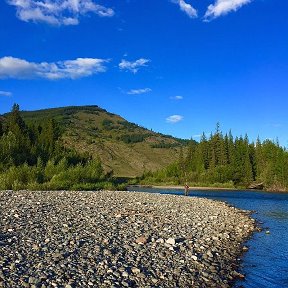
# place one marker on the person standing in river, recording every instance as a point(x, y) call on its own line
point(186, 187)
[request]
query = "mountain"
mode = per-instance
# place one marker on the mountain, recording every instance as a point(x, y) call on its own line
point(124, 147)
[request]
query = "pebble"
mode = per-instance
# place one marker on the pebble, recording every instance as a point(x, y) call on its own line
point(135, 270)
point(141, 240)
point(245, 248)
point(171, 241)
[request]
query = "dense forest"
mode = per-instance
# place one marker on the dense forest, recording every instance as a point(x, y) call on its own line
point(34, 157)
point(225, 161)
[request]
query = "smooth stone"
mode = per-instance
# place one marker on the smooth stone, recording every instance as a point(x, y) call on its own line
point(171, 241)
point(135, 270)
point(141, 240)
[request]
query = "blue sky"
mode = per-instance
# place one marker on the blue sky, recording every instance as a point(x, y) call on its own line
point(177, 67)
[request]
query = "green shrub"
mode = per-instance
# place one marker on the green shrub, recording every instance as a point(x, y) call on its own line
point(87, 186)
point(18, 177)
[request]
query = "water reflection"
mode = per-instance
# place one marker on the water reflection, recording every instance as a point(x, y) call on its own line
point(282, 215)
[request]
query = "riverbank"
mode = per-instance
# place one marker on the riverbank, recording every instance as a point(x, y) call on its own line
point(193, 188)
point(118, 239)
point(207, 188)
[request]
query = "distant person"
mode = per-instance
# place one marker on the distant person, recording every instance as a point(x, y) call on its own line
point(186, 187)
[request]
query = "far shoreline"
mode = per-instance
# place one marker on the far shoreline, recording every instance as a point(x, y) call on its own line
point(204, 188)
point(192, 188)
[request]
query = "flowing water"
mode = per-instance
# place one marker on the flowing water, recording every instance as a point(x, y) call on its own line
point(266, 263)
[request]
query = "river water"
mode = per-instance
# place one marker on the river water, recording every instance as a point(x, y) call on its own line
point(266, 263)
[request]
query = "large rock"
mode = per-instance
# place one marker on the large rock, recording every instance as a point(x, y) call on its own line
point(256, 186)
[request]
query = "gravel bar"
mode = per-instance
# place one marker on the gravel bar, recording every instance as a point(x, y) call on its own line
point(119, 239)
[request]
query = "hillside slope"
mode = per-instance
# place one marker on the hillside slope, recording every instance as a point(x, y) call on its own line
point(123, 147)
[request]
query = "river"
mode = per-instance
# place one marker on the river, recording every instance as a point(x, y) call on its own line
point(266, 263)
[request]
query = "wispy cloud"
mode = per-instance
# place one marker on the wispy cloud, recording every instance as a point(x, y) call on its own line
point(222, 7)
point(275, 124)
point(133, 66)
point(60, 12)
point(174, 119)
point(178, 97)
point(5, 93)
point(139, 91)
point(16, 68)
point(186, 8)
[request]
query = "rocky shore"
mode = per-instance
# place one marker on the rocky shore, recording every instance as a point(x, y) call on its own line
point(118, 239)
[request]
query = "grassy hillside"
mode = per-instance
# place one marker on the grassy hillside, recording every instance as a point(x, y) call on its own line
point(123, 147)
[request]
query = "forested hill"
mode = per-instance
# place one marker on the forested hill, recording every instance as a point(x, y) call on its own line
point(123, 147)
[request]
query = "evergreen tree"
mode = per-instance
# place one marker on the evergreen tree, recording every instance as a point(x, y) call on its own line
point(231, 149)
point(252, 155)
point(1, 128)
point(204, 147)
point(190, 156)
point(211, 152)
point(14, 122)
point(21, 142)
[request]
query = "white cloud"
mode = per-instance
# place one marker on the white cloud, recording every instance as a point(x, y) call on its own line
point(133, 66)
point(174, 119)
point(16, 68)
point(5, 93)
point(178, 97)
point(186, 8)
point(222, 7)
point(139, 91)
point(57, 12)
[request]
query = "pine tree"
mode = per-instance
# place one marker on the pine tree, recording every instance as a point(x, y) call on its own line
point(211, 152)
point(231, 148)
point(190, 158)
point(1, 128)
point(204, 147)
point(47, 139)
point(14, 122)
point(259, 160)
point(252, 155)
point(22, 146)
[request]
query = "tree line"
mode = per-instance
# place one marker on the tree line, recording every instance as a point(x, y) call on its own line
point(227, 161)
point(34, 157)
